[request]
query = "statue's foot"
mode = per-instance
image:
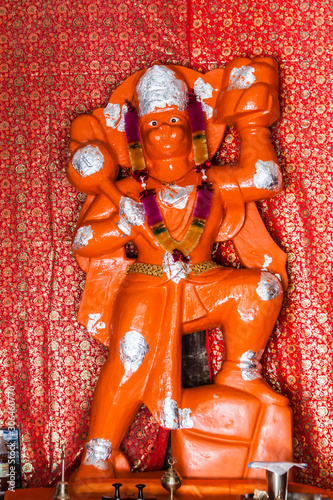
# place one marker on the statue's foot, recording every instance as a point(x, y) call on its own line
point(231, 376)
point(89, 471)
point(119, 462)
point(103, 469)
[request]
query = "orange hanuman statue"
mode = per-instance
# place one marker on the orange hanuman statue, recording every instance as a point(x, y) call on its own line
point(174, 207)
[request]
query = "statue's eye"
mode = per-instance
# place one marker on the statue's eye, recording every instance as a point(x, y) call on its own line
point(174, 119)
point(153, 123)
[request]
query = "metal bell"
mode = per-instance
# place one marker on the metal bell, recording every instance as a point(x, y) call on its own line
point(61, 491)
point(171, 480)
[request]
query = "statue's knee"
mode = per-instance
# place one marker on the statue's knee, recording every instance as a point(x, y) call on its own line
point(269, 286)
point(132, 350)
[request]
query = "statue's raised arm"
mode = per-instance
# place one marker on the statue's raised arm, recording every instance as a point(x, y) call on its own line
point(249, 100)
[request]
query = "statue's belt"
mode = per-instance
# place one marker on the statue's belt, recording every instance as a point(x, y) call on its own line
point(157, 270)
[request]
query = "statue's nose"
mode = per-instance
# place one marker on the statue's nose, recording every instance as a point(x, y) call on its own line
point(165, 125)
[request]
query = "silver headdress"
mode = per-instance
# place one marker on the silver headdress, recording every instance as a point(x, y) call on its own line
point(159, 88)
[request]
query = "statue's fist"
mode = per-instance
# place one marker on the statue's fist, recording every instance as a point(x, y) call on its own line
point(248, 93)
point(90, 166)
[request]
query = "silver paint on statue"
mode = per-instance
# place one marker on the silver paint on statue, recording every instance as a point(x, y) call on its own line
point(175, 271)
point(173, 417)
point(124, 227)
point(208, 110)
point(241, 78)
point(159, 88)
point(113, 117)
point(267, 262)
point(132, 350)
point(204, 91)
point(175, 196)
point(267, 176)
point(88, 160)
point(131, 214)
point(98, 451)
point(250, 365)
point(185, 421)
point(170, 414)
point(112, 114)
point(269, 286)
point(121, 123)
point(94, 324)
point(82, 237)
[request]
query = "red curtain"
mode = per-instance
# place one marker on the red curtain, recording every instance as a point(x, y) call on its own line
point(62, 58)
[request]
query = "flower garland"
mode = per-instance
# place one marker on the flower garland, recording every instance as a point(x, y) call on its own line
point(180, 250)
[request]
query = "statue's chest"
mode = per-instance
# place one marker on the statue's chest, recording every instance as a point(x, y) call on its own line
point(176, 204)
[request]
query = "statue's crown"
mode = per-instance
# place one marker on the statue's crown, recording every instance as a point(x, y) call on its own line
point(159, 88)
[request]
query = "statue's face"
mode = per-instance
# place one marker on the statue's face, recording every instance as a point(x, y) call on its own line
point(166, 134)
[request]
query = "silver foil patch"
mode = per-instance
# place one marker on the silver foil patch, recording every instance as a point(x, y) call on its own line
point(241, 78)
point(185, 421)
point(132, 350)
point(114, 117)
point(250, 364)
point(175, 196)
point(204, 91)
point(121, 123)
point(160, 88)
point(267, 262)
point(207, 109)
point(88, 160)
point(94, 324)
point(173, 417)
point(82, 237)
point(131, 214)
point(175, 271)
point(269, 286)
point(170, 414)
point(267, 176)
point(98, 451)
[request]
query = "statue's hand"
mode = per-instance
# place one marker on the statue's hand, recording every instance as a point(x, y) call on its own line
point(88, 160)
point(249, 93)
point(131, 213)
point(92, 166)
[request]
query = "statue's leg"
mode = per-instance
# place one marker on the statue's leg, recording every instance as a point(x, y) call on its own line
point(246, 304)
point(123, 380)
point(115, 404)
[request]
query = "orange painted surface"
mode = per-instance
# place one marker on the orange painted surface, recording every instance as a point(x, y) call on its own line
point(245, 303)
